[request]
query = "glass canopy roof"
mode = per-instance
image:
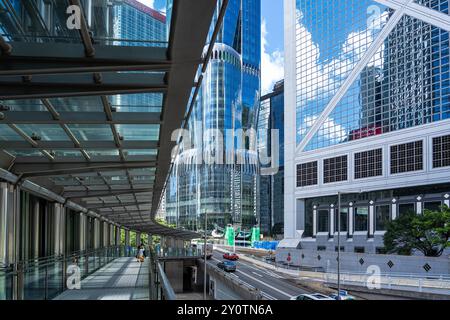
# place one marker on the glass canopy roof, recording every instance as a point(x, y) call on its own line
point(117, 135)
point(87, 110)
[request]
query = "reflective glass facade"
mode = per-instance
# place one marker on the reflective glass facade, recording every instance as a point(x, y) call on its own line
point(271, 187)
point(405, 84)
point(371, 93)
point(227, 101)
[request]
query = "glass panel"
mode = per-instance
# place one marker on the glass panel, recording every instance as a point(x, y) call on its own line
point(90, 132)
point(140, 152)
point(24, 105)
point(361, 218)
point(433, 205)
point(125, 23)
point(344, 215)
point(103, 153)
point(45, 132)
point(8, 134)
point(139, 132)
point(67, 153)
point(323, 225)
point(142, 102)
point(332, 37)
point(382, 216)
point(25, 153)
point(405, 208)
point(77, 104)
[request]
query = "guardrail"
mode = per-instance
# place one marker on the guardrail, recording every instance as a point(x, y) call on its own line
point(166, 287)
point(233, 279)
point(44, 278)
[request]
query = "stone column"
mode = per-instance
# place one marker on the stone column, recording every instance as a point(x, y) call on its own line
point(419, 205)
point(332, 222)
point(371, 219)
point(394, 209)
point(447, 200)
point(350, 219)
point(314, 221)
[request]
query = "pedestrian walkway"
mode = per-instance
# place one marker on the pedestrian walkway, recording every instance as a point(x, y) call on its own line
point(122, 279)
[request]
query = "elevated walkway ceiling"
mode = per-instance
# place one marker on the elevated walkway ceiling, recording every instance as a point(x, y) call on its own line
point(67, 127)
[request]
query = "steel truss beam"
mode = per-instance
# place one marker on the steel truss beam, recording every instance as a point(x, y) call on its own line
point(37, 117)
point(117, 205)
point(56, 58)
point(82, 195)
point(50, 86)
point(58, 169)
point(420, 12)
point(86, 144)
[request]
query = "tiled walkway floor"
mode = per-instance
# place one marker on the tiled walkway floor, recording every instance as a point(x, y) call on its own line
point(122, 279)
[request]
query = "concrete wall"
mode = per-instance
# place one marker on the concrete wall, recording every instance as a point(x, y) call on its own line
point(355, 262)
point(174, 272)
point(223, 286)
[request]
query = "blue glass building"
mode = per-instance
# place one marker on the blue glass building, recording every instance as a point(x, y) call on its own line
point(271, 187)
point(228, 101)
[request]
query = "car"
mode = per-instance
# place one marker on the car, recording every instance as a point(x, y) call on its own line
point(312, 296)
point(231, 256)
point(343, 295)
point(228, 266)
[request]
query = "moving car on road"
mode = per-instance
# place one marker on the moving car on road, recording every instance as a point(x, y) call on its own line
point(312, 296)
point(231, 256)
point(343, 295)
point(227, 266)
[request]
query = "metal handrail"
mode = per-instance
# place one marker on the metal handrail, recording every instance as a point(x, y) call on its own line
point(169, 294)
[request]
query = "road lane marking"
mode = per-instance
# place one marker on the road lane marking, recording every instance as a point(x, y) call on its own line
point(257, 274)
point(267, 285)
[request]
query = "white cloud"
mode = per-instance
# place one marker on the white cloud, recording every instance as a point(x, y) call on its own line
point(148, 3)
point(272, 64)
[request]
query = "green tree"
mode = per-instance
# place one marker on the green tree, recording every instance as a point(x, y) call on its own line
point(428, 232)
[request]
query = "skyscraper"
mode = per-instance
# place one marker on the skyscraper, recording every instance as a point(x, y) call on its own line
point(271, 186)
point(367, 114)
point(228, 101)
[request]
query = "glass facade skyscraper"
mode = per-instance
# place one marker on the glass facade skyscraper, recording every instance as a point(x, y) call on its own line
point(271, 186)
point(228, 102)
point(135, 24)
point(367, 100)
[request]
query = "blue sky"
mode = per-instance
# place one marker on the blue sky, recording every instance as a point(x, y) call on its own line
point(272, 44)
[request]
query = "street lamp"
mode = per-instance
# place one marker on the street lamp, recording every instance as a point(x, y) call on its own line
point(339, 242)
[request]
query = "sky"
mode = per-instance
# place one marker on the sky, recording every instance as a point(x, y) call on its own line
point(272, 44)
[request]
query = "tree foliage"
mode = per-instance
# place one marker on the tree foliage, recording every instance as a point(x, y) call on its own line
point(428, 233)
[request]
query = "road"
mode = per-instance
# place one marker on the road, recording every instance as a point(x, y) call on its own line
point(272, 285)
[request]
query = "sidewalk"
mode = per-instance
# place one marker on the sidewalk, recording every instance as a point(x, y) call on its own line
point(122, 279)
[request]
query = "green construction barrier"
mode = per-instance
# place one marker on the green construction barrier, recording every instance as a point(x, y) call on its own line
point(229, 236)
point(256, 234)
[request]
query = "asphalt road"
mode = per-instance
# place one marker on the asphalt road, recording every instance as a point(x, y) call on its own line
point(272, 285)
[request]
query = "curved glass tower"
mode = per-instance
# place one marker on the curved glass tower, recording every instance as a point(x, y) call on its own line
point(225, 190)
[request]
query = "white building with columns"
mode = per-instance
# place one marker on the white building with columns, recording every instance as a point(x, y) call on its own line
point(367, 114)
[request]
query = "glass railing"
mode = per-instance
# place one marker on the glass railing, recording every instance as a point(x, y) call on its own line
point(45, 278)
point(169, 252)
